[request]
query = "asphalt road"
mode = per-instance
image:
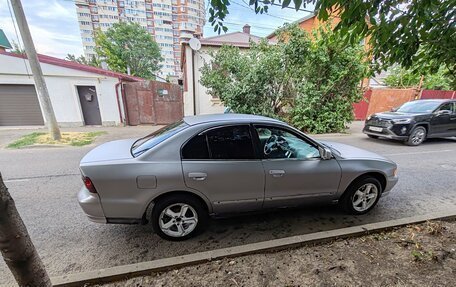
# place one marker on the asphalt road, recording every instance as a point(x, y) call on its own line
point(44, 183)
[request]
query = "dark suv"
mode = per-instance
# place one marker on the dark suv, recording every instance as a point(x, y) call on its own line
point(414, 121)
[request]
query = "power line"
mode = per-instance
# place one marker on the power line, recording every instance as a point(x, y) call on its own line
point(255, 26)
point(246, 6)
point(17, 35)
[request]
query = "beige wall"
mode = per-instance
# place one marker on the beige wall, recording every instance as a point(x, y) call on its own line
point(204, 103)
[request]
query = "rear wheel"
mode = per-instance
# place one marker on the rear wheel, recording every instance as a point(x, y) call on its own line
point(179, 217)
point(362, 195)
point(417, 136)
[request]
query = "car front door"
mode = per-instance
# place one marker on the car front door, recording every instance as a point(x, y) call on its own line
point(452, 128)
point(222, 164)
point(441, 119)
point(295, 172)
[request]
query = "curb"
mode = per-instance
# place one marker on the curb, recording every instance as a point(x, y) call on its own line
point(146, 268)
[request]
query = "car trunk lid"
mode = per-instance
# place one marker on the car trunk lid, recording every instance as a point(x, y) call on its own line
point(114, 150)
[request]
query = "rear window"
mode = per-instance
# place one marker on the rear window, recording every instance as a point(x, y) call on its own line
point(146, 143)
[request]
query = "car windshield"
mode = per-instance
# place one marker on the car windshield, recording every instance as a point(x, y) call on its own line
point(419, 107)
point(146, 143)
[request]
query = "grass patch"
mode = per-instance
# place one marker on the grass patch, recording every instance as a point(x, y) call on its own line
point(68, 138)
point(25, 140)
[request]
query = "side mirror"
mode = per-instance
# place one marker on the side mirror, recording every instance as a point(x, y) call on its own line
point(325, 153)
point(394, 109)
point(443, 112)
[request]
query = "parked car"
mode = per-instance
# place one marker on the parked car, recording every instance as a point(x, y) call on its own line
point(414, 122)
point(215, 165)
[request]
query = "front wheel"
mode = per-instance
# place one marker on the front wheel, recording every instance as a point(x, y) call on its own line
point(179, 217)
point(417, 136)
point(362, 195)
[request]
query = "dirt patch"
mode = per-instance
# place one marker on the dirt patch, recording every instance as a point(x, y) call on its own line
point(416, 255)
point(68, 138)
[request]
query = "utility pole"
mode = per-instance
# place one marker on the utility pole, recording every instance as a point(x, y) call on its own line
point(40, 84)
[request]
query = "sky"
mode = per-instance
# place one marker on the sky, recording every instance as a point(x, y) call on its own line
point(55, 31)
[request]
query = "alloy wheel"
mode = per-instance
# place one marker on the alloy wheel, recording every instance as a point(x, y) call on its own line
point(418, 137)
point(178, 220)
point(365, 197)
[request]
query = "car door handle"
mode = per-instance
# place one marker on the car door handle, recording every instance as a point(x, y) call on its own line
point(276, 172)
point(197, 175)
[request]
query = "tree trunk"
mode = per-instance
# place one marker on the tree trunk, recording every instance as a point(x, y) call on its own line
point(16, 246)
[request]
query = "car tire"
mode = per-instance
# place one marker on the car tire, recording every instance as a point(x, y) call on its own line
point(179, 217)
point(361, 190)
point(373, 137)
point(417, 136)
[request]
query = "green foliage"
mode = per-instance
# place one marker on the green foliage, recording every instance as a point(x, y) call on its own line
point(26, 140)
point(316, 78)
point(331, 73)
point(93, 61)
point(404, 32)
point(88, 138)
point(255, 82)
point(128, 44)
point(404, 78)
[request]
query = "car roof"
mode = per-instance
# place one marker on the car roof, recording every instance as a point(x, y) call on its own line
point(195, 120)
point(437, 100)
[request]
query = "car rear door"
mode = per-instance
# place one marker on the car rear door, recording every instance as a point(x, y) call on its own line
point(452, 128)
point(221, 163)
point(295, 172)
point(441, 121)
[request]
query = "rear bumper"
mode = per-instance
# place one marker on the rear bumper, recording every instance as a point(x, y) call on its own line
point(91, 205)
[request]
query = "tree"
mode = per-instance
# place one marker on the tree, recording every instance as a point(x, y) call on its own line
point(128, 46)
point(93, 61)
point(331, 71)
point(16, 246)
point(311, 81)
point(254, 82)
point(400, 77)
point(404, 32)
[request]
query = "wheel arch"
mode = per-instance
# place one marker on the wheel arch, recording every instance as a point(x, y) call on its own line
point(150, 206)
point(375, 174)
point(422, 124)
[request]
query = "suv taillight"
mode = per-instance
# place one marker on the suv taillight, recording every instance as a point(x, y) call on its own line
point(89, 184)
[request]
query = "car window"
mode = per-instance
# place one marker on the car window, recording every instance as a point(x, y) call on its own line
point(419, 107)
point(196, 148)
point(146, 143)
point(233, 142)
point(446, 107)
point(279, 143)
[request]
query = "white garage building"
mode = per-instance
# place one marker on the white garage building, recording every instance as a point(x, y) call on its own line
point(80, 94)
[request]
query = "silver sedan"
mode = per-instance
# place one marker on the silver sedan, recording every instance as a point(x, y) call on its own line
point(214, 165)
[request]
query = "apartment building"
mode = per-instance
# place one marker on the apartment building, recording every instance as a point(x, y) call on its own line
point(170, 22)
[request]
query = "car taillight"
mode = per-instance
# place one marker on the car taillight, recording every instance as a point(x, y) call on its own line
point(89, 184)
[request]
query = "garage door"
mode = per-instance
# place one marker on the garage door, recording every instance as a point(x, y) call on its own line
point(19, 106)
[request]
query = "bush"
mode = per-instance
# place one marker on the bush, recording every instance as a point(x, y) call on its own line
point(331, 73)
point(309, 80)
